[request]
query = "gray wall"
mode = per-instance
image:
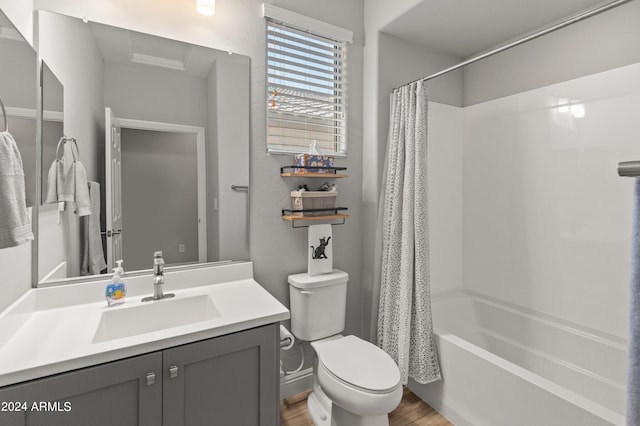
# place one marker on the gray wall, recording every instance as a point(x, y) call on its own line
point(417, 61)
point(597, 44)
point(231, 154)
point(132, 91)
point(159, 185)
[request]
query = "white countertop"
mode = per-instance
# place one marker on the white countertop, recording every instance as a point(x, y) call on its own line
point(51, 330)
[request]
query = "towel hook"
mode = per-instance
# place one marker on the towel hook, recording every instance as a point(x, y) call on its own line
point(4, 115)
point(63, 140)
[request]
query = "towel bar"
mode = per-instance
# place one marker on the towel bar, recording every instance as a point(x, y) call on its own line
point(629, 168)
point(63, 140)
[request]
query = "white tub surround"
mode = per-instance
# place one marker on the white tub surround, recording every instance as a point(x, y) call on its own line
point(546, 222)
point(56, 329)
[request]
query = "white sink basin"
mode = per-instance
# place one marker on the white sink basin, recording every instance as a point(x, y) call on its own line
point(154, 316)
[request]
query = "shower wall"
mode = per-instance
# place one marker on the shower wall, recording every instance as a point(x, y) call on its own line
point(546, 220)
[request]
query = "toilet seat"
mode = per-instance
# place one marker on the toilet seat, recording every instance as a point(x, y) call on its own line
point(358, 376)
point(358, 363)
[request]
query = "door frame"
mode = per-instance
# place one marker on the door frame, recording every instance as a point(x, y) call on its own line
point(201, 163)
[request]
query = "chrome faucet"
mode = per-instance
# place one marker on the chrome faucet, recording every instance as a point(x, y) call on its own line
point(158, 279)
point(158, 275)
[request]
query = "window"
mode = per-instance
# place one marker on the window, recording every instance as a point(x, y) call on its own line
point(305, 90)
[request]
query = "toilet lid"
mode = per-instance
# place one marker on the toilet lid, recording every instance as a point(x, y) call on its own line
point(358, 363)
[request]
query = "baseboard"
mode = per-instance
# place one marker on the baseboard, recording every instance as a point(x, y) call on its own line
point(294, 383)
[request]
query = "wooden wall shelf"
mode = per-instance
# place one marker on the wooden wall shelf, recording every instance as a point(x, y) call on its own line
point(327, 217)
point(333, 172)
point(313, 175)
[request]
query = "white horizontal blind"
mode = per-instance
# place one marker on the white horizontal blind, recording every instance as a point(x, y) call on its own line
point(305, 91)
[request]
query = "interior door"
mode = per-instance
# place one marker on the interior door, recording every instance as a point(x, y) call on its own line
point(113, 191)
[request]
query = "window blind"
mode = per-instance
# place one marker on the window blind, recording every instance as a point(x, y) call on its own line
point(305, 91)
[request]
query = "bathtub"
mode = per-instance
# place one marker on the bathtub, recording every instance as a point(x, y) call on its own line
point(503, 365)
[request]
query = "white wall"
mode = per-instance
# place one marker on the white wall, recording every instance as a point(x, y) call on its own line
point(546, 218)
point(444, 173)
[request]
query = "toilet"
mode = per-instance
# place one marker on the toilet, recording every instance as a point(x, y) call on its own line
point(355, 383)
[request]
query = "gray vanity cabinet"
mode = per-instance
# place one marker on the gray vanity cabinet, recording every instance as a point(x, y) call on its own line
point(227, 380)
point(230, 380)
point(116, 393)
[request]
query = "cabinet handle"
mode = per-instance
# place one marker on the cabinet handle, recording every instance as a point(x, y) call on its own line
point(173, 371)
point(151, 378)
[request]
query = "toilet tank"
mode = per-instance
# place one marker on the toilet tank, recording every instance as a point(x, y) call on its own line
point(318, 304)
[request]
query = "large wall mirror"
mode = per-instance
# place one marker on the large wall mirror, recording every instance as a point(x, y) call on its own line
point(160, 130)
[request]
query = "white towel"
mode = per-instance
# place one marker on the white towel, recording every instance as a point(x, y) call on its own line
point(75, 189)
point(68, 191)
point(82, 199)
point(320, 250)
point(633, 372)
point(55, 181)
point(15, 224)
point(93, 255)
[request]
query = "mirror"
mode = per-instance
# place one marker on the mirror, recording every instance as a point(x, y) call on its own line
point(162, 131)
point(18, 84)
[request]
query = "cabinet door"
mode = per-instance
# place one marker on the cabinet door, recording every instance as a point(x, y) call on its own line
point(229, 380)
point(117, 393)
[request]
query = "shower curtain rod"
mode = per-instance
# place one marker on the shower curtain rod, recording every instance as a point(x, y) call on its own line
point(564, 23)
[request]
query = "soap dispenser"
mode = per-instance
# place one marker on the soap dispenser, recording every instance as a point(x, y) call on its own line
point(119, 267)
point(116, 289)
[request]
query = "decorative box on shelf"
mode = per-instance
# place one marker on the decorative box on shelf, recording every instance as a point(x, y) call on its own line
point(310, 163)
point(312, 203)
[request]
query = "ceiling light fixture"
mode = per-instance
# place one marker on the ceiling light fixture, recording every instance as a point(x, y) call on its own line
point(206, 7)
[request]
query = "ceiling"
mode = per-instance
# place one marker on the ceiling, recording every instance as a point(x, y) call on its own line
point(463, 28)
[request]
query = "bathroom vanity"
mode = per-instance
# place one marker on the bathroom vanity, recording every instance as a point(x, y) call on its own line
point(210, 358)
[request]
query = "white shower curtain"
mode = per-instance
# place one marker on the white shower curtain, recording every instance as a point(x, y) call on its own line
point(405, 329)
